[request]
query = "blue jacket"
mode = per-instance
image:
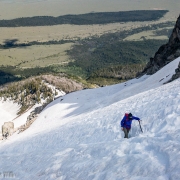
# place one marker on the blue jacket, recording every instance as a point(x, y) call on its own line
point(126, 122)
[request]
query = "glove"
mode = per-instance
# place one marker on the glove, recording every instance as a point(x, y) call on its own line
point(122, 128)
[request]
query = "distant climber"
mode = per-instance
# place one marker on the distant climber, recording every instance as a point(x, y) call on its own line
point(126, 123)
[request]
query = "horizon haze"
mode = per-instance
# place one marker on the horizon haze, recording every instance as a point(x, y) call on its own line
point(10, 9)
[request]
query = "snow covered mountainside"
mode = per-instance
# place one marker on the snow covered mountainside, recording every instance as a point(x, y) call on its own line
point(78, 136)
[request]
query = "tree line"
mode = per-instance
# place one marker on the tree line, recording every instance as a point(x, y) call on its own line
point(86, 19)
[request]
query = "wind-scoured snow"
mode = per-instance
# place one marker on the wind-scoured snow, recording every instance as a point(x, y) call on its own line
point(78, 136)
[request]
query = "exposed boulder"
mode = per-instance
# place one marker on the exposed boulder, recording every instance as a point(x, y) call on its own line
point(166, 53)
point(32, 117)
point(7, 129)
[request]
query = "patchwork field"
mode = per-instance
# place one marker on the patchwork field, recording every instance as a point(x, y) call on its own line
point(59, 32)
point(44, 55)
point(148, 35)
point(33, 56)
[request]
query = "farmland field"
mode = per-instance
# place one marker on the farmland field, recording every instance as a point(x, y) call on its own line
point(32, 56)
point(59, 32)
point(149, 35)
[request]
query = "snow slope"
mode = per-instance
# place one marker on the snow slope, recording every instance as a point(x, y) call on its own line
point(78, 136)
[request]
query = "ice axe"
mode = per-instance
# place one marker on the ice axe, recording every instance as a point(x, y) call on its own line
point(140, 126)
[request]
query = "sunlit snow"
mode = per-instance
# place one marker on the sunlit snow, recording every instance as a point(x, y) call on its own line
point(78, 136)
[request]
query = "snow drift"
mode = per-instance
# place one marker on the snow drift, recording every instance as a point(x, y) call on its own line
point(79, 137)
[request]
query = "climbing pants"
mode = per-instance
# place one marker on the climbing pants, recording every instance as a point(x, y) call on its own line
point(126, 132)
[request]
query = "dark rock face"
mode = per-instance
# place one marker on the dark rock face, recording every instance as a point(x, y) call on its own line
point(32, 117)
point(166, 53)
point(177, 74)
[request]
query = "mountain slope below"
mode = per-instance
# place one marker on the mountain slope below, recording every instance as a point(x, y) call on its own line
point(79, 137)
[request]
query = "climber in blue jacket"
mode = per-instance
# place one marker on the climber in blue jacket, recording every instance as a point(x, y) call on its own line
point(126, 123)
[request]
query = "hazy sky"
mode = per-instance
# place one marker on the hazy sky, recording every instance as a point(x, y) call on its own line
point(20, 8)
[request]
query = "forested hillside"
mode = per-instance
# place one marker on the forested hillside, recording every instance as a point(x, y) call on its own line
point(38, 90)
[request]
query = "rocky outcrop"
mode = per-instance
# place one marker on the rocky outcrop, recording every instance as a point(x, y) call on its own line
point(177, 74)
point(32, 117)
point(63, 83)
point(7, 129)
point(166, 53)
